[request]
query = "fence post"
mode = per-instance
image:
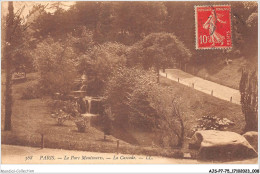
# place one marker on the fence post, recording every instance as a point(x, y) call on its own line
point(212, 92)
point(42, 141)
point(231, 99)
point(178, 80)
point(117, 146)
point(193, 85)
point(166, 75)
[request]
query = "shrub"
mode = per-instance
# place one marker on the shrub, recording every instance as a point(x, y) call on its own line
point(107, 121)
point(60, 117)
point(69, 107)
point(126, 94)
point(55, 62)
point(177, 154)
point(210, 122)
point(100, 63)
point(31, 92)
point(139, 102)
point(81, 124)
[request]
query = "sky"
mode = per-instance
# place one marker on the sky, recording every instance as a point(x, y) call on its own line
point(29, 4)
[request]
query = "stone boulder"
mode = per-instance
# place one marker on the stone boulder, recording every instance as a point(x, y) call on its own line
point(252, 138)
point(221, 145)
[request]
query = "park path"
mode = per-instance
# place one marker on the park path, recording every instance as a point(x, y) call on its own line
point(208, 87)
point(12, 154)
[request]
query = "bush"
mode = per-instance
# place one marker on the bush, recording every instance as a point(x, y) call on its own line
point(137, 101)
point(60, 117)
point(31, 92)
point(55, 62)
point(126, 94)
point(99, 63)
point(107, 121)
point(177, 154)
point(81, 124)
point(210, 122)
point(69, 107)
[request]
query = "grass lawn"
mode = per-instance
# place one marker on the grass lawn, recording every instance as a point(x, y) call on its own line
point(228, 75)
point(31, 118)
point(193, 105)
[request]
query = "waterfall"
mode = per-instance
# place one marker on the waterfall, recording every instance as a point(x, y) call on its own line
point(92, 105)
point(83, 88)
point(89, 105)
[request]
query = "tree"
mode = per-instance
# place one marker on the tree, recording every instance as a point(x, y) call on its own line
point(137, 101)
point(126, 94)
point(249, 99)
point(15, 47)
point(178, 130)
point(56, 63)
point(158, 50)
point(8, 64)
point(135, 20)
point(99, 63)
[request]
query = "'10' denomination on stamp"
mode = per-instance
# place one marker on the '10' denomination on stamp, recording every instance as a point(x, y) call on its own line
point(213, 27)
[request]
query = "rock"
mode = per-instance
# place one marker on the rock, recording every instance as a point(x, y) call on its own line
point(221, 145)
point(252, 138)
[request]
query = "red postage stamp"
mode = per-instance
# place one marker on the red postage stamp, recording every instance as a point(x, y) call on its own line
point(213, 27)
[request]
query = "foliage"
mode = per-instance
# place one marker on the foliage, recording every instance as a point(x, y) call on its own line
point(123, 90)
point(99, 63)
point(210, 122)
point(31, 92)
point(159, 50)
point(55, 62)
point(69, 107)
point(64, 110)
point(60, 117)
point(107, 121)
point(133, 21)
point(130, 22)
point(249, 99)
point(81, 124)
point(252, 20)
point(138, 101)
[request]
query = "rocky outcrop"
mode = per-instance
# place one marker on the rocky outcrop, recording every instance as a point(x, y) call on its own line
point(252, 138)
point(221, 145)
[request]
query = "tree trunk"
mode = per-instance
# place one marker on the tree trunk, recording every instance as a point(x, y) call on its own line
point(158, 74)
point(8, 84)
point(181, 138)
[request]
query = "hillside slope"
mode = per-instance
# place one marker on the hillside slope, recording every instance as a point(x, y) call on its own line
point(228, 75)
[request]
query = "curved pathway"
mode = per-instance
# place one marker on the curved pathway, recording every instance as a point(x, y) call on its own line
point(208, 87)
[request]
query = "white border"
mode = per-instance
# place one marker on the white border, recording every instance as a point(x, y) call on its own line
point(170, 168)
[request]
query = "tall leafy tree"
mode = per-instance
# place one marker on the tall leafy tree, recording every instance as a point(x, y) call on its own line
point(158, 50)
point(134, 20)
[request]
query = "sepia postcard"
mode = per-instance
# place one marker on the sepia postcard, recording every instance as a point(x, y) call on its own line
point(129, 82)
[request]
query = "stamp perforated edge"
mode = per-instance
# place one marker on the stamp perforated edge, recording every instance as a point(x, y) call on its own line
point(196, 29)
